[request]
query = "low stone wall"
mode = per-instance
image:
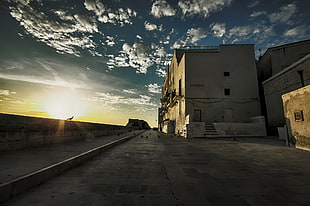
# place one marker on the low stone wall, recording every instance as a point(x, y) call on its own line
point(254, 127)
point(240, 129)
point(21, 131)
point(194, 129)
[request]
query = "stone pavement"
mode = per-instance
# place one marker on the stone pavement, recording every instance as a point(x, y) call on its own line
point(165, 170)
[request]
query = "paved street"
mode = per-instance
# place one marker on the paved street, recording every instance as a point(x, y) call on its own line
point(167, 170)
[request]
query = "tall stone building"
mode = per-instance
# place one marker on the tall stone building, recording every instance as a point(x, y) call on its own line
point(211, 91)
point(280, 70)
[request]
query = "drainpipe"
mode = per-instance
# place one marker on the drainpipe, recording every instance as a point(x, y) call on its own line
point(300, 72)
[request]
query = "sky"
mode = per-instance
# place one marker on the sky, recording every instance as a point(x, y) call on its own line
point(105, 60)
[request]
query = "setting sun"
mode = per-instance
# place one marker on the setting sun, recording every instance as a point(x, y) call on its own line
point(63, 106)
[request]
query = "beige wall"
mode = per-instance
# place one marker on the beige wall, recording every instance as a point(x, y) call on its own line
point(295, 101)
point(205, 83)
point(175, 113)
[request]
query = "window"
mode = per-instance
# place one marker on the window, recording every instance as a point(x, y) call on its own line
point(226, 74)
point(197, 115)
point(226, 92)
point(180, 87)
point(299, 116)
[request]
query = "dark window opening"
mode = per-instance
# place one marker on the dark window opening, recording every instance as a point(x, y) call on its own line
point(180, 87)
point(226, 74)
point(299, 116)
point(226, 92)
point(197, 115)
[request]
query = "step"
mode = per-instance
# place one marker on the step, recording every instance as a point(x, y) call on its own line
point(210, 133)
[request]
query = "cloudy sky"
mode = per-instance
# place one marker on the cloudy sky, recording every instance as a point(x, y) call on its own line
point(105, 60)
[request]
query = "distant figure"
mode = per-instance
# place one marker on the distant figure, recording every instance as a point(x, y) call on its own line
point(70, 118)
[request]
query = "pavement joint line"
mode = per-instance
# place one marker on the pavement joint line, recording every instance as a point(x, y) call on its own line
point(14, 187)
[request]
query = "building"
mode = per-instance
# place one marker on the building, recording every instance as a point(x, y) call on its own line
point(278, 74)
point(297, 116)
point(137, 124)
point(293, 77)
point(211, 91)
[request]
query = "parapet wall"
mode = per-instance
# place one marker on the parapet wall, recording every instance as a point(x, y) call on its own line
point(21, 131)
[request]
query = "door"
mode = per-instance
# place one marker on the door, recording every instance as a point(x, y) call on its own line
point(228, 115)
point(197, 115)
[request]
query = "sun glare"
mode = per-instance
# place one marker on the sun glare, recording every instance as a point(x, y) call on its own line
point(64, 106)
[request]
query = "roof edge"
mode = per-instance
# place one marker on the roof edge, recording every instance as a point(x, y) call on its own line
point(288, 68)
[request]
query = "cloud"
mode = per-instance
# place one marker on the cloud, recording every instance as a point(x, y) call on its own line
point(160, 51)
point(259, 32)
point(139, 37)
point(162, 8)
point(7, 96)
point(149, 27)
point(34, 79)
point(193, 35)
point(63, 34)
point(116, 102)
point(299, 31)
point(46, 71)
point(258, 13)
point(136, 56)
point(69, 33)
point(166, 39)
point(202, 7)
point(154, 88)
point(139, 56)
point(152, 27)
point(253, 4)
point(285, 13)
point(110, 40)
point(95, 5)
point(161, 72)
point(106, 15)
point(218, 29)
point(85, 23)
point(130, 91)
point(4, 92)
point(240, 31)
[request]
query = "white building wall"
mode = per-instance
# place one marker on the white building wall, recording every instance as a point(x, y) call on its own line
point(200, 73)
point(205, 84)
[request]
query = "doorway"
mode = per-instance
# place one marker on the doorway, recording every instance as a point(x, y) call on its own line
point(197, 115)
point(228, 115)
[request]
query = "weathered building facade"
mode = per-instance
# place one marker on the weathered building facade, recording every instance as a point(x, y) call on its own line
point(296, 105)
point(293, 77)
point(211, 91)
point(280, 70)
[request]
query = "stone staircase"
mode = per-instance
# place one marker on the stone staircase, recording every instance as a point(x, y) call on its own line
point(210, 131)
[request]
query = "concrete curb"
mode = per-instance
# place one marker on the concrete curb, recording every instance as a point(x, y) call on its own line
point(10, 189)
